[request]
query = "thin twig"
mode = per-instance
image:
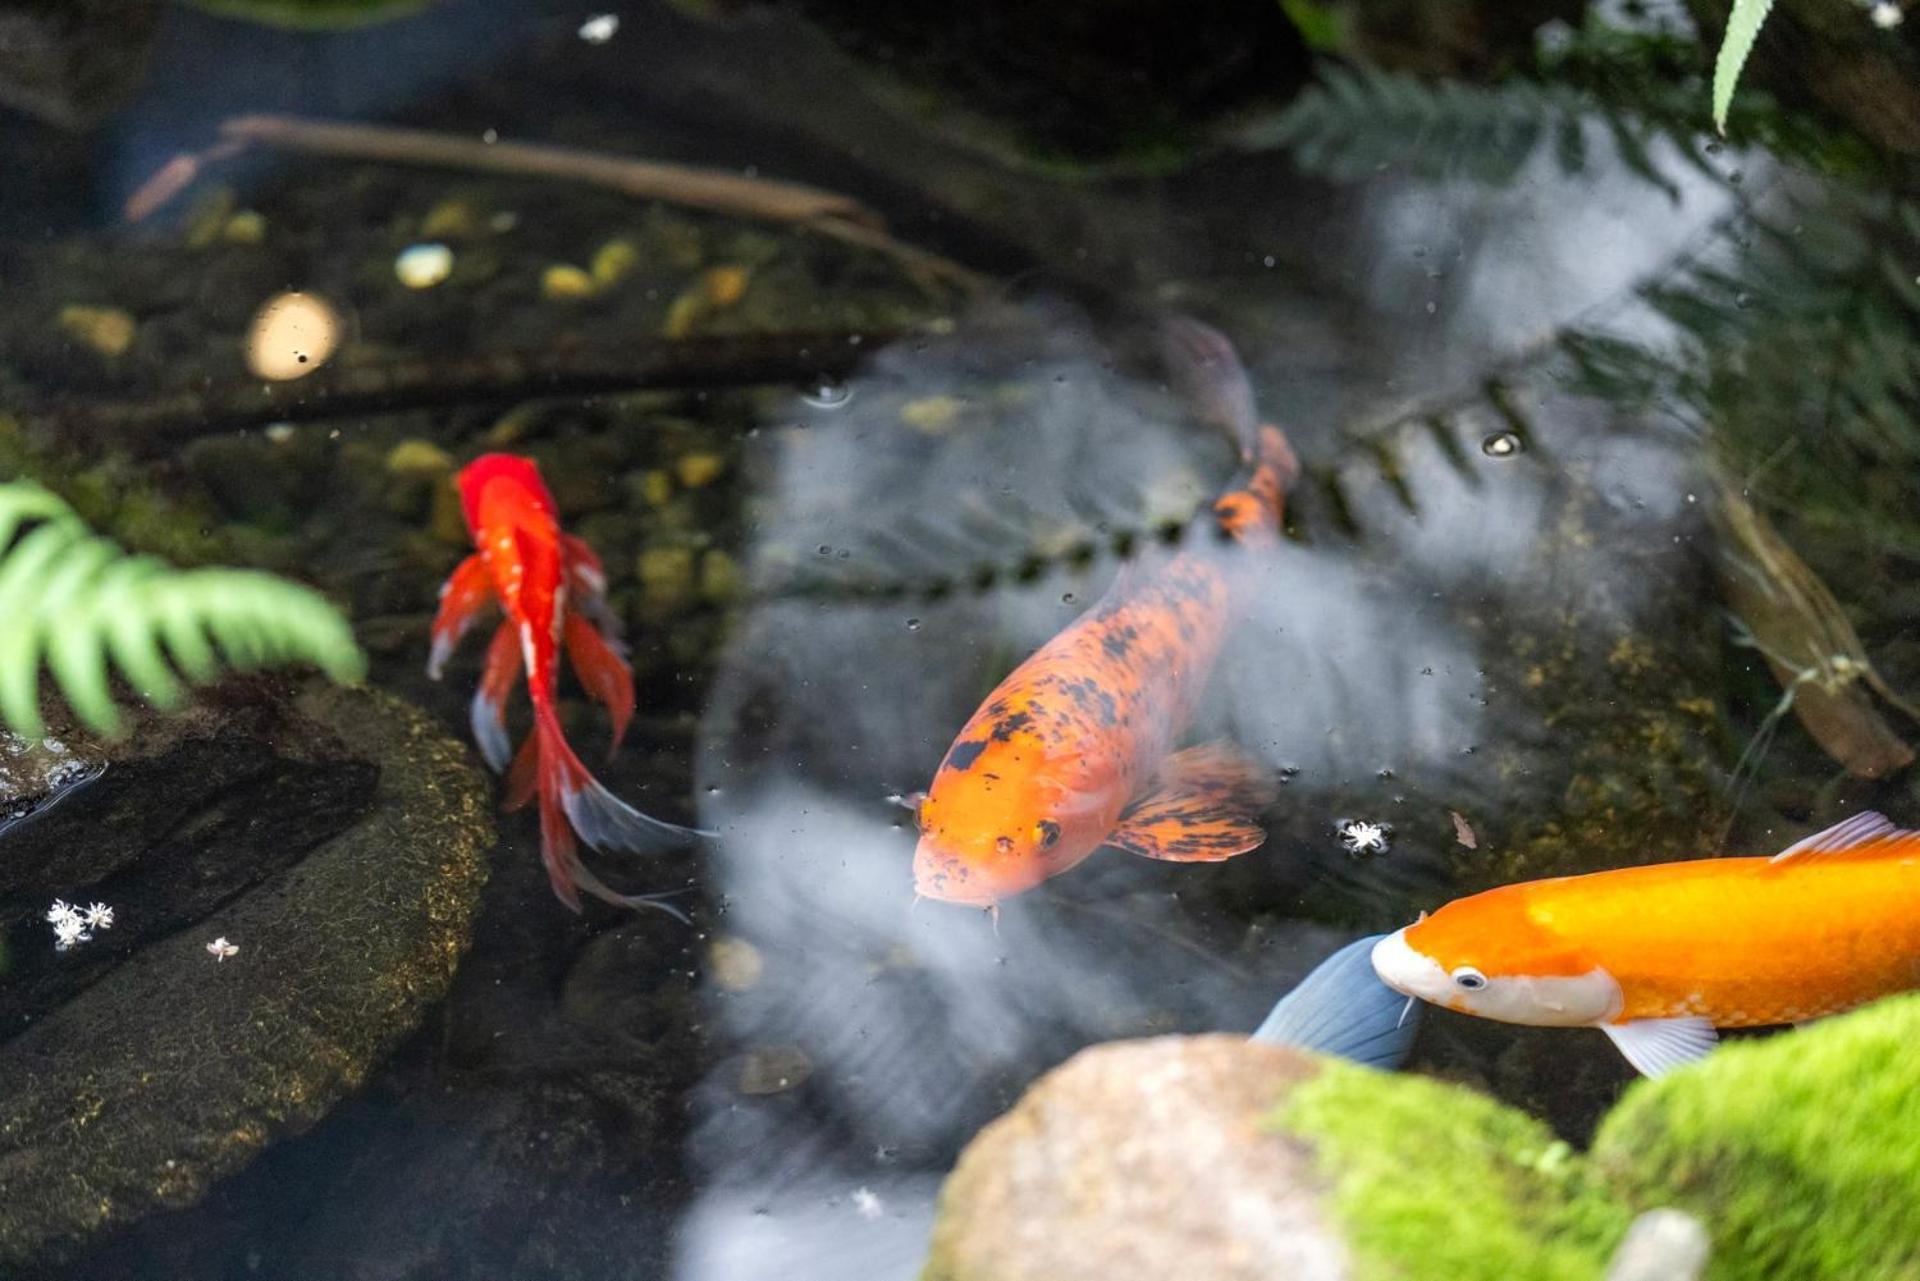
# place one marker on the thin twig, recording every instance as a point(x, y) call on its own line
point(152, 424)
point(765, 199)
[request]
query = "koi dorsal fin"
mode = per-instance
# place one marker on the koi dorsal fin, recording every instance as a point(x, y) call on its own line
point(1865, 835)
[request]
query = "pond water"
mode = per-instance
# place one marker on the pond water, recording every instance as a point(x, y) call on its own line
point(1598, 555)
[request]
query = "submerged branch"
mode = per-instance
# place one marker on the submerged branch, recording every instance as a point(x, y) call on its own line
point(718, 191)
point(151, 424)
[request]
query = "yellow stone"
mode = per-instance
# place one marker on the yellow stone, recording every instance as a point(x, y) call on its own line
point(248, 227)
point(686, 311)
point(719, 576)
point(666, 573)
point(614, 262)
point(657, 488)
point(418, 458)
point(725, 285)
point(564, 280)
point(933, 414)
point(734, 963)
point(450, 219)
point(108, 330)
point(697, 470)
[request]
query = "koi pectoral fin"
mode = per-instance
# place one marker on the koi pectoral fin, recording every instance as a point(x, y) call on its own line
point(467, 591)
point(602, 672)
point(1657, 1046)
point(1200, 809)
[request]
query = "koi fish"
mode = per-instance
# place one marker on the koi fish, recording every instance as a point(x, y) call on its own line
point(552, 589)
point(1073, 750)
point(1658, 957)
point(1343, 1009)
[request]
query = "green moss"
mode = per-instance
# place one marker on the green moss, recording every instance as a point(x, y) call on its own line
point(1435, 1183)
point(1800, 1151)
point(313, 15)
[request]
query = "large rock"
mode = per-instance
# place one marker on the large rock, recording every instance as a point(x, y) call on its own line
point(1142, 1159)
point(334, 837)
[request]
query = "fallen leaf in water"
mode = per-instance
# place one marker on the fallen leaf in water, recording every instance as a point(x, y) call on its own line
point(1463, 830)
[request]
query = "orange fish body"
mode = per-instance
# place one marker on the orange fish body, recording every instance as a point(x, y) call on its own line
point(1072, 751)
point(551, 588)
point(1668, 952)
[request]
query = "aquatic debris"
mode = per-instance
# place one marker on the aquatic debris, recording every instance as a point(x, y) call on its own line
point(1659, 956)
point(107, 330)
point(291, 336)
point(1363, 836)
point(220, 949)
point(83, 606)
point(1463, 830)
point(600, 28)
point(1808, 643)
point(73, 925)
point(734, 963)
point(423, 266)
point(821, 212)
point(1343, 1009)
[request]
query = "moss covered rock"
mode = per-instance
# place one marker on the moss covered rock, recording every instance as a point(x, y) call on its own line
point(1798, 1151)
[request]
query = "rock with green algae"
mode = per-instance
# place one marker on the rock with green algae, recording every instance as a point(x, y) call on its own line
point(172, 1068)
point(1797, 1151)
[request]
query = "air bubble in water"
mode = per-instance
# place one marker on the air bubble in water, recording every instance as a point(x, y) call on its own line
point(828, 394)
point(1502, 444)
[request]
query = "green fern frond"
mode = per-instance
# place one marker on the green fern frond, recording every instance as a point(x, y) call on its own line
point(1743, 28)
point(83, 606)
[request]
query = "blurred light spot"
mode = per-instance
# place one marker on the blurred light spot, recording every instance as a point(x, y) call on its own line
point(1886, 15)
point(828, 394)
point(1502, 444)
point(292, 335)
point(600, 28)
point(734, 963)
point(423, 266)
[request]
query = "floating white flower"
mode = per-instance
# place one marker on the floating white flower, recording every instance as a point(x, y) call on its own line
point(221, 949)
point(60, 911)
point(1362, 837)
point(69, 930)
point(99, 916)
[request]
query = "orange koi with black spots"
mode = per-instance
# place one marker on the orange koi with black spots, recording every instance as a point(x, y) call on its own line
point(1074, 750)
point(552, 589)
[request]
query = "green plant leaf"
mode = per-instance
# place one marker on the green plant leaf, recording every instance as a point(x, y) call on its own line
point(1743, 27)
point(81, 604)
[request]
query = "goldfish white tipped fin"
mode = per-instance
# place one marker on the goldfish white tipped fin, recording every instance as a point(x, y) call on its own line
point(1870, 833)
point(1657, 1046)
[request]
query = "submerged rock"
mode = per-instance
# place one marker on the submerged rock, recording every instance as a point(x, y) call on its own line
point(333, 836)
point(1142, 1159)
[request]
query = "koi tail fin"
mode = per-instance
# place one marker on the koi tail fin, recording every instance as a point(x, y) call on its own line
point(573, 800)
point(1207, 374)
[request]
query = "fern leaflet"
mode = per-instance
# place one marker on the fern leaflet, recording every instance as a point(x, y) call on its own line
point(83, 605)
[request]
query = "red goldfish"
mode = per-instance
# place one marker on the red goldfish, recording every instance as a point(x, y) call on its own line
point(1073, 751)
point(552, 590)
point(1658, 957)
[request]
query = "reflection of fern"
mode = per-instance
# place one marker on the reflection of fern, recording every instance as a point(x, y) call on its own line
point(1632, 89)
point(78, 600)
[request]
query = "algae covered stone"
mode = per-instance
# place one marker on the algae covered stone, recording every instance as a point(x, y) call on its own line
point(1797, 1151)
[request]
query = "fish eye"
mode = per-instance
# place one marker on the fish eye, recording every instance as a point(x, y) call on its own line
point(1469, 978)
point(1049, 833)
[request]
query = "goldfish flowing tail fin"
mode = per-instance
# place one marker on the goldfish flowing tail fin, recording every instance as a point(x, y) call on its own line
point(573, 800)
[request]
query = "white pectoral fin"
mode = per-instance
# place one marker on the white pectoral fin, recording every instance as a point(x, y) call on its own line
point(1657, 1046)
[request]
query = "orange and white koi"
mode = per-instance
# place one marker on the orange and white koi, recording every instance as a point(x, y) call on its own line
point(552, 589)
point(1657, 957)
point(1073, 750)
